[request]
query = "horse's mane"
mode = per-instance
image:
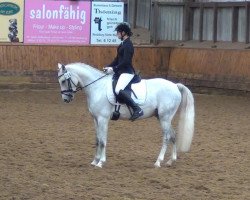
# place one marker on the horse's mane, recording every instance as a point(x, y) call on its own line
point(86, 66)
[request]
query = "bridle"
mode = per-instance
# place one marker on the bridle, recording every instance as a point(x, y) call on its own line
point(70, 90)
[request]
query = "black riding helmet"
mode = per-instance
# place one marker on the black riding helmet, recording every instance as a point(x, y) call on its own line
point(124, 27)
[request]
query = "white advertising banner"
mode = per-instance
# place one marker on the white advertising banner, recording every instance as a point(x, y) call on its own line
point(105, 17)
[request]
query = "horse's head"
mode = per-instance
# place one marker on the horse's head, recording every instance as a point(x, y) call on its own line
point(68, 83)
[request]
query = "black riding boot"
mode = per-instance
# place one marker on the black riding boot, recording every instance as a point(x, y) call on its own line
point(137, 111)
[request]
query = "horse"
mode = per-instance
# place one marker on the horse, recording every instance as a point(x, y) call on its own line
point(164, 98)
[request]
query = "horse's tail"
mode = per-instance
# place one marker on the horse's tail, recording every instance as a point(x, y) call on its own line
point(186, 122)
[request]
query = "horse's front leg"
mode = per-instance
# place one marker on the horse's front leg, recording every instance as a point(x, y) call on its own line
point(97, 154)
point(101, 125)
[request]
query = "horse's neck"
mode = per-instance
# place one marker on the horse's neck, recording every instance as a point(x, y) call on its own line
point(88, 78)
point(86, 73)
point(95, 89)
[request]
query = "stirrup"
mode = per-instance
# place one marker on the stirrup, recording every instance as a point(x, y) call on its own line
point(136, 115)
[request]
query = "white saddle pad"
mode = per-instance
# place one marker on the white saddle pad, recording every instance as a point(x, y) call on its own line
point(139, 89)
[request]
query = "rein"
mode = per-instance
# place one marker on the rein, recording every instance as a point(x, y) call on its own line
point(80, 88)
point(70, 90)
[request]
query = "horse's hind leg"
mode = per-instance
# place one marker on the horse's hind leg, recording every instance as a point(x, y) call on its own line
point(166, 127)
point(174, 150)
point(168, 136)
point(162, 153)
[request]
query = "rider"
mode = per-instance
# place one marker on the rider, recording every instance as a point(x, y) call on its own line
point(123, 68)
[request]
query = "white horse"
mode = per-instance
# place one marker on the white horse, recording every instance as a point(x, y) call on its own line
point(163, 99)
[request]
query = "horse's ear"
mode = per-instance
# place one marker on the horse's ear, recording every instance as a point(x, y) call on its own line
point(61, 66)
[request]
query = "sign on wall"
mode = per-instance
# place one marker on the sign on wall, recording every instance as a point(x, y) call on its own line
point(105, 17)
point(57, 22)
point(11, 21)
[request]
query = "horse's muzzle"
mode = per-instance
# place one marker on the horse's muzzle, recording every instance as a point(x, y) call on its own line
point(66, 100)
point(67, 95)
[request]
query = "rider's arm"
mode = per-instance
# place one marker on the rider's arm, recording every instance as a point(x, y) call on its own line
point(114, 62)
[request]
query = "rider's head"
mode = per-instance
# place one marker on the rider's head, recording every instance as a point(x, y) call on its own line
point(124, 30)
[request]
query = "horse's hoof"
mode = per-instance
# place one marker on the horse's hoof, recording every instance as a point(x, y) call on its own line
point(99, 165)
point(157, 165)
point(169, 163)
point(94, 162)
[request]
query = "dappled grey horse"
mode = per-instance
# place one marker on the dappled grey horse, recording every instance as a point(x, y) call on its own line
point(163, 99)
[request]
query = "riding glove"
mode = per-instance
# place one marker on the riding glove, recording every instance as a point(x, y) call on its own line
point(108, 70)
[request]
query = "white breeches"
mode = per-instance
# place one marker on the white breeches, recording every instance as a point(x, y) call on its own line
point(123, 81)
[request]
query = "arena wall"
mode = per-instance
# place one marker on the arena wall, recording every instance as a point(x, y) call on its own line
point(216, 68)
point(226, 69)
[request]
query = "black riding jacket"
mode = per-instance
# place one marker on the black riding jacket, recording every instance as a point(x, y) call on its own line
point(123, 61)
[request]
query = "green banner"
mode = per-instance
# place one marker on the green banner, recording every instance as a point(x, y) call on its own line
point(11, 21)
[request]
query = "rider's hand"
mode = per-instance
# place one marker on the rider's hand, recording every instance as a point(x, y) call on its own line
point(108, 70)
